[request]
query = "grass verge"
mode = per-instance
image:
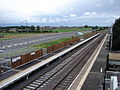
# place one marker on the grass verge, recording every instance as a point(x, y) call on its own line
point(45, 45)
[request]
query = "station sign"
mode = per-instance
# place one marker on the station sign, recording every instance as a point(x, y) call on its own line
point(16, 59)
point(32, 53)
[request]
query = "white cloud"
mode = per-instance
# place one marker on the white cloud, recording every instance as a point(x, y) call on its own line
point(90, 13)
point(72, 15)
point(58, 19)
point(44, 20)
point(116, 16)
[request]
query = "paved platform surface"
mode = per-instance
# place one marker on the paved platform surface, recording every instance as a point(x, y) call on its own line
point(96, 74)
point(11, 72)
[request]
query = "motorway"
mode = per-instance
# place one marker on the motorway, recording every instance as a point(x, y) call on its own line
point(18, 43)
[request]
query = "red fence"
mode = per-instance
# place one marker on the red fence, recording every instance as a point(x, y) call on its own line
point(17, 61)
point(73, 40)
point(89, 35)
point(62, 44)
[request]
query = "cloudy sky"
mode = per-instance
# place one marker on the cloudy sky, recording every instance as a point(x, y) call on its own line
point(59, 12)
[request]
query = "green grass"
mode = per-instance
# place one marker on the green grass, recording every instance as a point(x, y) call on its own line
point(45, 45)
point(74, 29)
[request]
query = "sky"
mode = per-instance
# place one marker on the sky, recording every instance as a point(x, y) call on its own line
point(59, 12)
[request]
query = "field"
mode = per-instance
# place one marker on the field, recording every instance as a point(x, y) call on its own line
point(70, 30)
point(17, 35)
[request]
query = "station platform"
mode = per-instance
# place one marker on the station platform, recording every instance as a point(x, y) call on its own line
point(92, 74)
point(96, 74)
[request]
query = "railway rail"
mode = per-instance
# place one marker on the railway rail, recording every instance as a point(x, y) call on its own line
point(61, 76)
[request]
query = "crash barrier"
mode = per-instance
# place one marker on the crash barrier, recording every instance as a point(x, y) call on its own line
point(16, 61)
point(62, 44)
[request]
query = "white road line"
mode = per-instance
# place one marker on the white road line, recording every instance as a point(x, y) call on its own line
point(25, 42)
point(20, 43)
point(9, 46)
point(81, 77)
point(15, 45)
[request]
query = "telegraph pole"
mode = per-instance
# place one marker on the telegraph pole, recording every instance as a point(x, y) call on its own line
point(26, 25)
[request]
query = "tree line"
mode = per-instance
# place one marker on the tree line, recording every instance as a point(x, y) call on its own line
point(38, 29)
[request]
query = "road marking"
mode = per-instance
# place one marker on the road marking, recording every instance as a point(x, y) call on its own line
point(9, 46)
point(20, 43)
point(25, 42)
point(81, 77)
point(101, 70)
point(15, 44)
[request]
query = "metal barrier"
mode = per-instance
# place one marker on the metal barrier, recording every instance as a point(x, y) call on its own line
point(5, 62)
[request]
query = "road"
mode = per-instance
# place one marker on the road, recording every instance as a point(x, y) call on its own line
point(18, 43)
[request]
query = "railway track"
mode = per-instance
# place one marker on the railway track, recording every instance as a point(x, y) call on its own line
point(62, 75)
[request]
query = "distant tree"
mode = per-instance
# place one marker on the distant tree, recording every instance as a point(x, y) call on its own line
point(38, 27)
point(116, 35)
point(32, 27)
point(95, 27)
point(86, 26)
